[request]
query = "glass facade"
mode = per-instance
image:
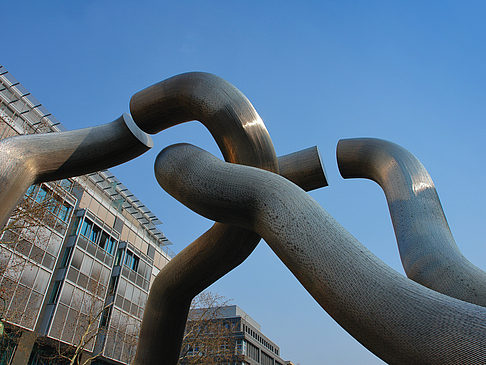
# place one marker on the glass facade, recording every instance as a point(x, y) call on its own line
point(29, 253)
point(81, 267)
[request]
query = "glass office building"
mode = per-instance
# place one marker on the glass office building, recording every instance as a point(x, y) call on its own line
point(84, 269)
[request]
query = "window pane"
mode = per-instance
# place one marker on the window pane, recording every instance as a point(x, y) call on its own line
point(54, 244)
point(41, 194)
point(95, 233)
point(86, 227)
point(64, 211)
point(129, 291)
point(104, 240)
point(105, 273)
point(86, 265)
point(67, 293)
point(111, 246)
point(96, 273)
point(29, 274)
point(66, 184)
point(77, 259)
point(58, 323)
point(41, 281)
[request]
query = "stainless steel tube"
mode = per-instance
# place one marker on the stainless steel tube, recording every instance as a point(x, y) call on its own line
point(34, 158)
point(427, 248)
point(400, 321)
point(242, 138)
point(303, 168)
point(219, 106)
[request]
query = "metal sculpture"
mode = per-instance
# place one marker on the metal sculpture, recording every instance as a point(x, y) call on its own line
point(242, 137)
point(34, 158)
point(397, 319)
point(427, 248)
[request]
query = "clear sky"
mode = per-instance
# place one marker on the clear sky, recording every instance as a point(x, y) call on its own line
point(412, 72)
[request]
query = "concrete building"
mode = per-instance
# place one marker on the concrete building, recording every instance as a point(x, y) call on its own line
point(252, 347)
point(85, 269)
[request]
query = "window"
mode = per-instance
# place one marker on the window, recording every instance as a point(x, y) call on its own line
point(86, 227)
point(95, 233)
point(252, 351)
point(107, 243)
point(110, 245)
point(41, 195)
point(66, 184)
point(131, 260)
point(266, 360)
point(64, 211)
point(30, 190)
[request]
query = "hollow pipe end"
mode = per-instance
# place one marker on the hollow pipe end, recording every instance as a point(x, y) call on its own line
point(353, 156)
point(143, 137)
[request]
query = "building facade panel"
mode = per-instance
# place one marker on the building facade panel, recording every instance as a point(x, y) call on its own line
point(86, 265)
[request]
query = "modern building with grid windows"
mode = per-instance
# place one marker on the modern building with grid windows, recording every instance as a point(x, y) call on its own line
point(252, 347)
point(77, 258)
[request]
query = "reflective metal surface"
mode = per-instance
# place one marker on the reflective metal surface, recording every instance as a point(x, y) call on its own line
point(242, 138)
point(303, 168)
point(428, 251)
point(400, 321)
point(33, 158)
point(222, 108)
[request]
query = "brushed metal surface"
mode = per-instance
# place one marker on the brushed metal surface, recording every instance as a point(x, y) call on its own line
point(399, 320)
point(219, 106)
point(243, 138)
point(303, 168)
point(34, 158)
point(427, 248)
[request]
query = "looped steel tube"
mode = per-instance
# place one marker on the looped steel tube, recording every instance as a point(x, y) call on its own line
point(242, 138)
point(397, 319)
point(427, 248)
point(34, 158)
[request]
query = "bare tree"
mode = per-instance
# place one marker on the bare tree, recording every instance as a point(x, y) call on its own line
point(84, 328)
point(208, 337)
point(90, 328)
point(19, 233)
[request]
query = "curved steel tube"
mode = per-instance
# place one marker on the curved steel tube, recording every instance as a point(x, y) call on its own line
point(242, 138)
point(34, 158)
point(427, 248)
point(223, 109)
point(397, 319)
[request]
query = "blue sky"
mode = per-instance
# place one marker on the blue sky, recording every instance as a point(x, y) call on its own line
point(411, 72)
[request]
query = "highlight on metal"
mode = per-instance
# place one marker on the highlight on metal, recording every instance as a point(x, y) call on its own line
point(243, 138)
point(399, 320)
point(429, 254)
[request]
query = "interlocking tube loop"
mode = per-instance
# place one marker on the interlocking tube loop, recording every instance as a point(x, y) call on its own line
point(242, 138)
point(427, 248)
point(400, 321)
